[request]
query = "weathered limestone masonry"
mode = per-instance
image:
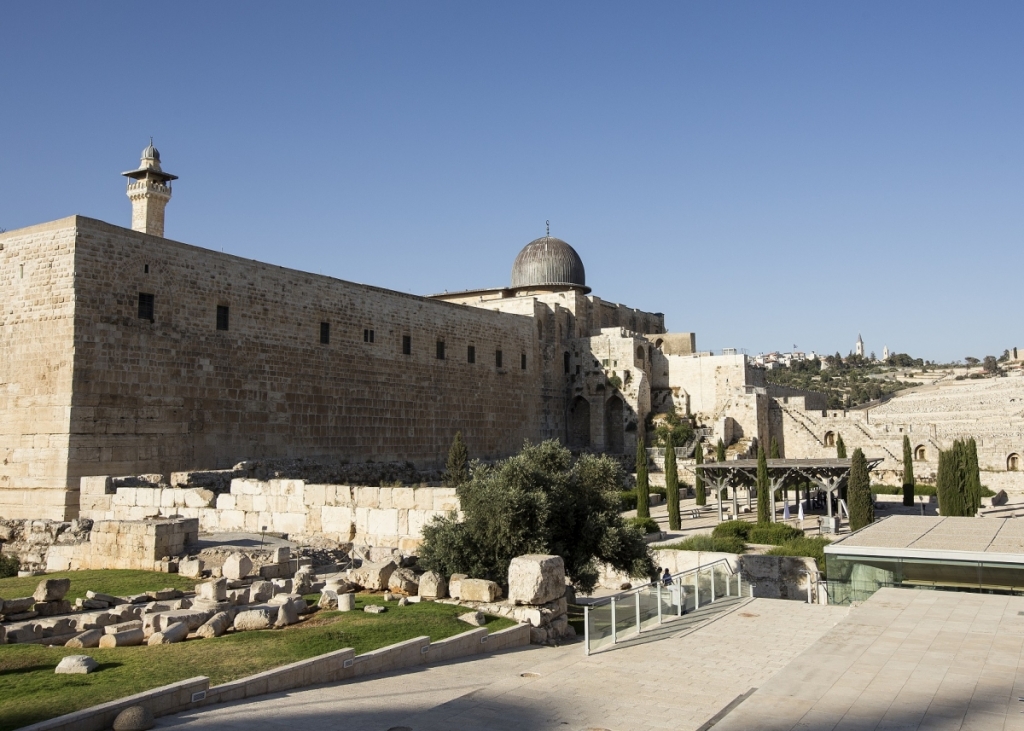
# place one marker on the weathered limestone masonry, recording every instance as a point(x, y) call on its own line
point(990, 410)
point(90, 386)
point(125, 544)
point(390, 517)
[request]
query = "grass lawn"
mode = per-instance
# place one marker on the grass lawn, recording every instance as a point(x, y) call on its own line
point(31, 691)
point(107, 581)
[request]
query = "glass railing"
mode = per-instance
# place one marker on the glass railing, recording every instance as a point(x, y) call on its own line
point(614, 618)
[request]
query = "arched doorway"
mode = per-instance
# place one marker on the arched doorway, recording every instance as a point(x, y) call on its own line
point(830, 439)
point(920, 453)
point(613, 431)
point(579, 423)
point(1013, 462)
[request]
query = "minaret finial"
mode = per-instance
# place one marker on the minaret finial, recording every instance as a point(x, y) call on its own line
point(547, 224)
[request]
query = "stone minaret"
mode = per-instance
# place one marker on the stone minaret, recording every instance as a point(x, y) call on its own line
point(149, 190)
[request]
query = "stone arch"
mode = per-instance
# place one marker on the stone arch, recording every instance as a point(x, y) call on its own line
point(614, 433)
point(640, 353)
point(830, 439)
point(1013, 462)
point(658, 342)
point(920, 453)
point(579, 423)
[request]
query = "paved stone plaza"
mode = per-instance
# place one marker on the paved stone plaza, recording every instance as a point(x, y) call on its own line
point(902, 660)
point(678, 682)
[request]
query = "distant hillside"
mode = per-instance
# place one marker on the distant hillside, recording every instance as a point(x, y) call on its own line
point(847, 382)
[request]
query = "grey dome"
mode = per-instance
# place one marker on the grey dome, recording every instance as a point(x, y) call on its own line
point(151, 153)
point(547, 262)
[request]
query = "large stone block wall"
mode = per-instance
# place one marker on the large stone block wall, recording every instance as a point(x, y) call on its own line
point(177, 392)
point(125, 544)
point(37, 280)
point(374, 516)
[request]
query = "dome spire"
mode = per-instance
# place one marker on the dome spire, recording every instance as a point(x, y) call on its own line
point(547, 225)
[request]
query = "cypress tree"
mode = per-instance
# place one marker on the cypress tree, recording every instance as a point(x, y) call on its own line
point(973, 475)
point(908, 473)
point(764, 510)
point(862, 506)
point(698, 481)
point(672, 486)
point(840, 447)
point(457, 467)
point(643, 489)
point(775, 449)
point(945, 484)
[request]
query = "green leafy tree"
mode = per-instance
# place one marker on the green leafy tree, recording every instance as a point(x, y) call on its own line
point(643, 487)
point(699, 491)
point(720, 451)
point(672, 487)
point(908, 472)
point(840, 447)
point(539, 501)
point(764, 509)
point(862, 505)
point(673, 428)
point(457, 467)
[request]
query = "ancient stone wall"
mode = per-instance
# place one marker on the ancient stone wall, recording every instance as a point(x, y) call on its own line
point(37, 280)
point(177, 391)
point(372, 516)
point(124, 544)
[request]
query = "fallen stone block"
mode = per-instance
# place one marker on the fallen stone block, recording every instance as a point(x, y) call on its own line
point(76, 665)
point(536, 579)
point(432, 586)
point(280, 554)
point(215, 626)
point(282, 586)
point(19, 605)
point(999, 499)
point(341, 586)
point(210, 606)
point(255, 619)
point(51, 590)
point(375, 609)
point(128, 638)
point(479, 590)
point(134, 718)
point(389, 597)
point(238, 596)
point(3, 635)
point(403, 602)
point(111, 600)
point(121, 627)
point(163, 594)
point(328, 600)
point(90, 604)
point(50, 609)
point(286, 615)
point(25, 633)
point(215, 590)
point(137, 598)
point(191, 567)
point(477, 619)
point(192, 618)
point(89, 638)
point(261, 591)
point(21, 616)
point(168, 635)
point(236, 566)
point(455, 585)
point(346, 602)
point(404, 581)
point(373, 576)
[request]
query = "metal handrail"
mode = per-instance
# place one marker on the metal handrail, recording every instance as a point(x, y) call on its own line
point(678, 588)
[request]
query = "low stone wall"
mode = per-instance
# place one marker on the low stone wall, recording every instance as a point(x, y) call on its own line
point(125, 544)
point(377, 516)
point(332, 667)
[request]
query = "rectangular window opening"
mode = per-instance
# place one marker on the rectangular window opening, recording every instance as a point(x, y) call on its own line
point(222, 317)
point(325, 332)
point(440, 350)
point(471, 354)
point(406, 345)
point(146, 306)
point(367, 336)
point(146, 269)
point(497, 358)
point(522, 361)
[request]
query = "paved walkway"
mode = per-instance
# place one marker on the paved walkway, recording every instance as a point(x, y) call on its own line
point(678, 682)
point(903, 660)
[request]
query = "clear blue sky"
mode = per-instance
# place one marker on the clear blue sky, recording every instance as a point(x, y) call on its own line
point(765, 174)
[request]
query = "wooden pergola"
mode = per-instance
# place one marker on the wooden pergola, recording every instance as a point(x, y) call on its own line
point(828, 475)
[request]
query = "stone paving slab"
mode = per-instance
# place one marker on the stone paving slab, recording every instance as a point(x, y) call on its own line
point(902, 660)
point(678, 682)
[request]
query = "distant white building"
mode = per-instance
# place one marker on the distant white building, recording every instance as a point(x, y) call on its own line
point(885, 352)
point(859, 347)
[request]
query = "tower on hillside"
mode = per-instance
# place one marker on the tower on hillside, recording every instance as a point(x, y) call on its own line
point(860, 346)
point(149, 189)
point(885, 352)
